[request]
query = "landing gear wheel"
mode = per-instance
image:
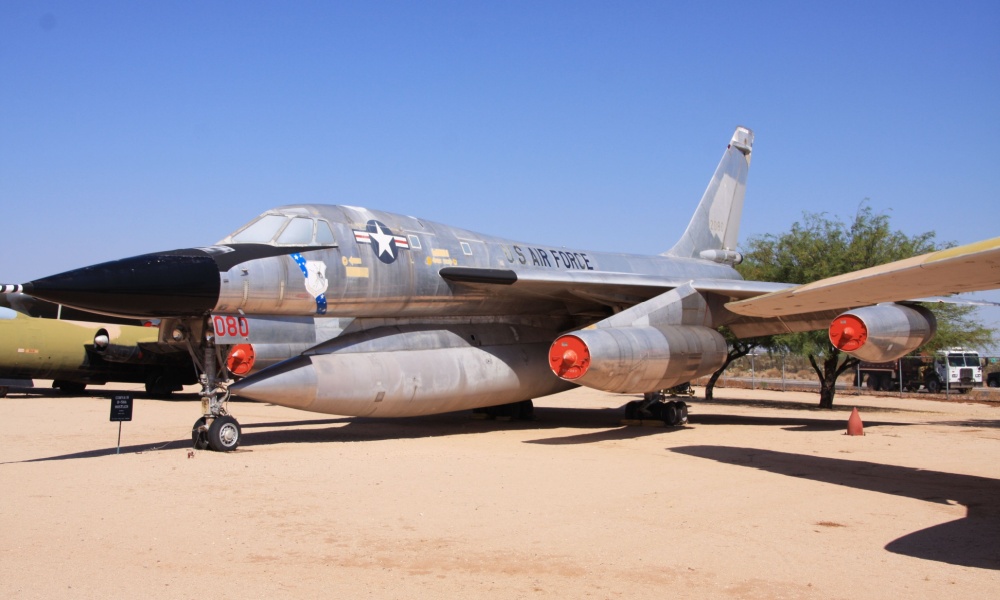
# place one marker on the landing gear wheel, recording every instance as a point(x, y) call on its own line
point(199, 434)
point(682, 413)
point(674, 413)
point(632, 410)
point(224, 434)
point(525, 410)
point(669, 414)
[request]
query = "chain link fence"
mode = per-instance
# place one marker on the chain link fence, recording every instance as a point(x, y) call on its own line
point(777, 371)
point(767, 370)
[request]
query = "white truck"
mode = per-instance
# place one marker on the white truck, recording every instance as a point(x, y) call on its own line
point(952, 369)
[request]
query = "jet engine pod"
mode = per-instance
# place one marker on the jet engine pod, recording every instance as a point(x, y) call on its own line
point(637, 359)
point(883, 332)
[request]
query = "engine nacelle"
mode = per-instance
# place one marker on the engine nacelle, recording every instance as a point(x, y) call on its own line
point(883, 332)
point(637, 359)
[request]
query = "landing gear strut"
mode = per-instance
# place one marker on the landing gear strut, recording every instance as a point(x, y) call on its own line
point(219, 430)
point(216, 429)
point(655, 406)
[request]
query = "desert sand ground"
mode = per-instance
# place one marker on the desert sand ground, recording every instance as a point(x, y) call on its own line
point(760, 496)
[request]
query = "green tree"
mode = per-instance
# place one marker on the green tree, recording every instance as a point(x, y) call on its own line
point(820, 246)
point(737, 349)
point(957, 327)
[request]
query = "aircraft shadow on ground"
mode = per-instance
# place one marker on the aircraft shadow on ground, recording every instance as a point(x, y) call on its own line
point(845, 405)
point(984, 423)
point(605, 424)
point(969, 542)
point(134, 449)
point(602, 424)
point(786, 423)
point(354, 429)
point(103, 394)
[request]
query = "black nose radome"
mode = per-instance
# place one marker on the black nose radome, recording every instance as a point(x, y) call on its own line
point(162, 284)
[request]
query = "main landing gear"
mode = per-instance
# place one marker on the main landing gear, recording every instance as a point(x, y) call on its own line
point(655, 406)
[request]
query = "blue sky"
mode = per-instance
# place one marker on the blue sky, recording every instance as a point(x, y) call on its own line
point(132, 127)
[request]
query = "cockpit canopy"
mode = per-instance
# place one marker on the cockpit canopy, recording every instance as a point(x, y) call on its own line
point(279, 229)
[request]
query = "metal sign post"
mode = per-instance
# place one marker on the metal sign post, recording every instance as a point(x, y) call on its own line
point(121, 410)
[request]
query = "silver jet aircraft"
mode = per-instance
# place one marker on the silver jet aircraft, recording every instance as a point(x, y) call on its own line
point(439, 319)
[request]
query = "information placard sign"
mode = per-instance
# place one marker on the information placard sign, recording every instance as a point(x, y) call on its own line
point(121, 407)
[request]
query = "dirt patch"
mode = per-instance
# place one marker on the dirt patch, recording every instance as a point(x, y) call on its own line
point(761, 496)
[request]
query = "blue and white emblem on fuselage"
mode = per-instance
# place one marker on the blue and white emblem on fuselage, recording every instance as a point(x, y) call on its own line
point(385, 245)
point(314, 272)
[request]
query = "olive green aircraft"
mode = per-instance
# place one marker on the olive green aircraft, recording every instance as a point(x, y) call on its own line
point(75, 354)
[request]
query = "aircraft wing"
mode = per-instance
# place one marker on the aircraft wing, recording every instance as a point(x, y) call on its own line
point(969, 268)
point(606, 288)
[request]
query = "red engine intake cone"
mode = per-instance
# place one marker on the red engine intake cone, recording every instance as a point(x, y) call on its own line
point(569, 357)
point(848, 333)
point(240, 360)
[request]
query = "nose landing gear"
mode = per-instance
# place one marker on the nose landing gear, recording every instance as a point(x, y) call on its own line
point(216, 429)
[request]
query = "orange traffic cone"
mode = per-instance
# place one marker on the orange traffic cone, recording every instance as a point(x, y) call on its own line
point(854, 424)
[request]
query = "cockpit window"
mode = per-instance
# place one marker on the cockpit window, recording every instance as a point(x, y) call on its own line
point(324, 235)
point(260, 231)
point(299, 232)
point(282, 230)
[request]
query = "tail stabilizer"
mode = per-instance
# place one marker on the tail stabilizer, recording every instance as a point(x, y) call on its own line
point(714, 229)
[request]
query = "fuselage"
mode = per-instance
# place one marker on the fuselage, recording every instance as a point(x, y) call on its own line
point(388, 265)
point(342, 261)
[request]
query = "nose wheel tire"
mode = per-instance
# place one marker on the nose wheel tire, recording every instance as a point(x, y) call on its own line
point(224, 434)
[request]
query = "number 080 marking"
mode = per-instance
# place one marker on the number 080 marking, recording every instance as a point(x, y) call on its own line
point(231, 326)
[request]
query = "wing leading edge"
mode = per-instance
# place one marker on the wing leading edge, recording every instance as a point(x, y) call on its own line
point(969, 268)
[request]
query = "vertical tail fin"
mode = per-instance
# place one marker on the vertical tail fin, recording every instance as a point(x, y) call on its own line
point(714, 229)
